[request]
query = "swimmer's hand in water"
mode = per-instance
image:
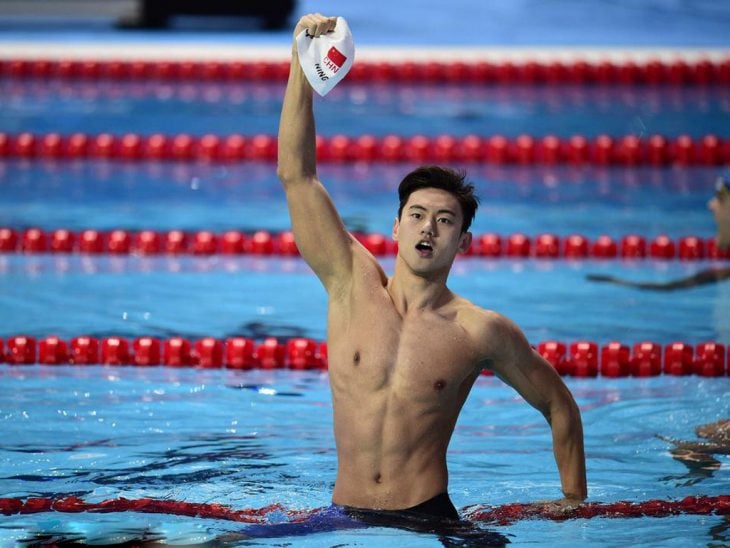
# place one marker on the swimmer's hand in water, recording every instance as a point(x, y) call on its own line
point(607, 278)
point(561, 507)
point(601, 278)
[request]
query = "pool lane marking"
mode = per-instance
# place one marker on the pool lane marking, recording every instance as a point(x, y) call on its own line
point(185, 50)
point(495, 515)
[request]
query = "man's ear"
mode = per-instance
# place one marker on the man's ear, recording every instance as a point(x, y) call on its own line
point(465, 242)
point(396, 226)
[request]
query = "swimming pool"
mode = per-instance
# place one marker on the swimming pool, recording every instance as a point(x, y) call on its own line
point(249, 439)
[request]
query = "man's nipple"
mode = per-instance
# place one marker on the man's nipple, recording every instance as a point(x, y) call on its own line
point(439, 385)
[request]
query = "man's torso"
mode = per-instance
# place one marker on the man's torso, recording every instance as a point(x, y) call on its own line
point(398, 383)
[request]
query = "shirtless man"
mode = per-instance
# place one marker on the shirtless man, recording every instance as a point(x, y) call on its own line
point(405, 351)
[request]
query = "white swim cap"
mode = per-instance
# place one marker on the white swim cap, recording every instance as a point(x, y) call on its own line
point(326, 59)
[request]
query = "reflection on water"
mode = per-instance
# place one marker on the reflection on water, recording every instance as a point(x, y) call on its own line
point(198, 460)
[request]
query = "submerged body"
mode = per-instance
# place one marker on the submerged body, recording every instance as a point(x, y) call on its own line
point(404, 351)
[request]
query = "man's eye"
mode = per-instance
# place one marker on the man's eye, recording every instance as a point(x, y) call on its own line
point(445, 220)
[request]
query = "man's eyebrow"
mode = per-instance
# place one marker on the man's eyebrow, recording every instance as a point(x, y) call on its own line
point(440, 211)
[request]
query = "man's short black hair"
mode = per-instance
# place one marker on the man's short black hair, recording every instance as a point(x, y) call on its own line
point(443, 178)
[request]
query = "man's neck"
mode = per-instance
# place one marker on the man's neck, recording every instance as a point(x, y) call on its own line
point(415, 292)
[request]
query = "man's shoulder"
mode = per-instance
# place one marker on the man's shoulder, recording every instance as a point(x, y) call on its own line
point(481, 321)
point(491, 333)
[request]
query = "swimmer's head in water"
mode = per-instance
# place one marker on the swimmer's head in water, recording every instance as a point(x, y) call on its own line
point(442, 178)
point(722, 189)
point(719, 431)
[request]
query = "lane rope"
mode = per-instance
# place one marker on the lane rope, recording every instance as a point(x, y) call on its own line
point(580, 358)
point(701, 71)
point(265, 243)
point(494, 515)
point(602, 150)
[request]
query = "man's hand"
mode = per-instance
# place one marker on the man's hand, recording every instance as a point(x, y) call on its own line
point(315, 24)
point(561, 507)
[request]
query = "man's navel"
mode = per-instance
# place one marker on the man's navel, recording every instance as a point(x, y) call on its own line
point(356, 358)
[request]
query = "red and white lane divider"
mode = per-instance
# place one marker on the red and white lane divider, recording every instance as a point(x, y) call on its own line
point(264, 243)
point(602, 150)
point(700, 71)
point(493, 515)
point(578, 359)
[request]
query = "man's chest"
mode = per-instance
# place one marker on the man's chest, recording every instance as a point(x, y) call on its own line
point(423, 356)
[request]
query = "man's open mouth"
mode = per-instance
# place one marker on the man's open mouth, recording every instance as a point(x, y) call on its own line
point(424, 248)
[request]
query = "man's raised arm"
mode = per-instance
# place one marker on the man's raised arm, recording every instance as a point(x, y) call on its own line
point(318, 229)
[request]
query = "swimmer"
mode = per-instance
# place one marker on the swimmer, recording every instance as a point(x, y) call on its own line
point(404, 351)
point(699, 456)
point(720, 207)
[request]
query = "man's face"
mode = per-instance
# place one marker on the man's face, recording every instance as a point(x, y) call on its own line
point(429, 231)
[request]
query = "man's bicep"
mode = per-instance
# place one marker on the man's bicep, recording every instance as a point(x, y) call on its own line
point(320, 234)
point(521, 367)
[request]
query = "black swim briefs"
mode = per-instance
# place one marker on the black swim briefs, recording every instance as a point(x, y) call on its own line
point(439, 506)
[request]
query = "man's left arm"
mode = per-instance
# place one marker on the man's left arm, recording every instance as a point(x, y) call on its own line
point(520, 366)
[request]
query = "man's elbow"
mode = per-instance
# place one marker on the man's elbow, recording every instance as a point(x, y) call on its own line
point(290, 173)
point(283, 175)
point(287, 174)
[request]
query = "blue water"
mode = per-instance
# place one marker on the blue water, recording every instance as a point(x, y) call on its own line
point(247, 439)
point(355, 109)
point(255, 438)
point(223, 297)
point(247, 196)
point(133, 296)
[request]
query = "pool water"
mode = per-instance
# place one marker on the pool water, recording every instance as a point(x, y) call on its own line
point(251, 439)
point(254, 297)
point(222, 296)
point(355, 109)
point(247, 439)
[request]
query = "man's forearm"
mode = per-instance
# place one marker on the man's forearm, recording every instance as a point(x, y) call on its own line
point(567, 432)
point(297, 136)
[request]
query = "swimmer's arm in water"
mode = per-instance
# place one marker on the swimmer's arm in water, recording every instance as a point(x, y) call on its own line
point(320, 234)
point(518, 365)
point(710, 275)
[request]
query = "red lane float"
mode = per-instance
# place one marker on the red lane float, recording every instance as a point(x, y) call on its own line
point(703, 71)
point(206, 352)
point(234, 242)
point(505, 514)
point(603, 150)
point(581, 358)
point(642, 359)
point(509, 513)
